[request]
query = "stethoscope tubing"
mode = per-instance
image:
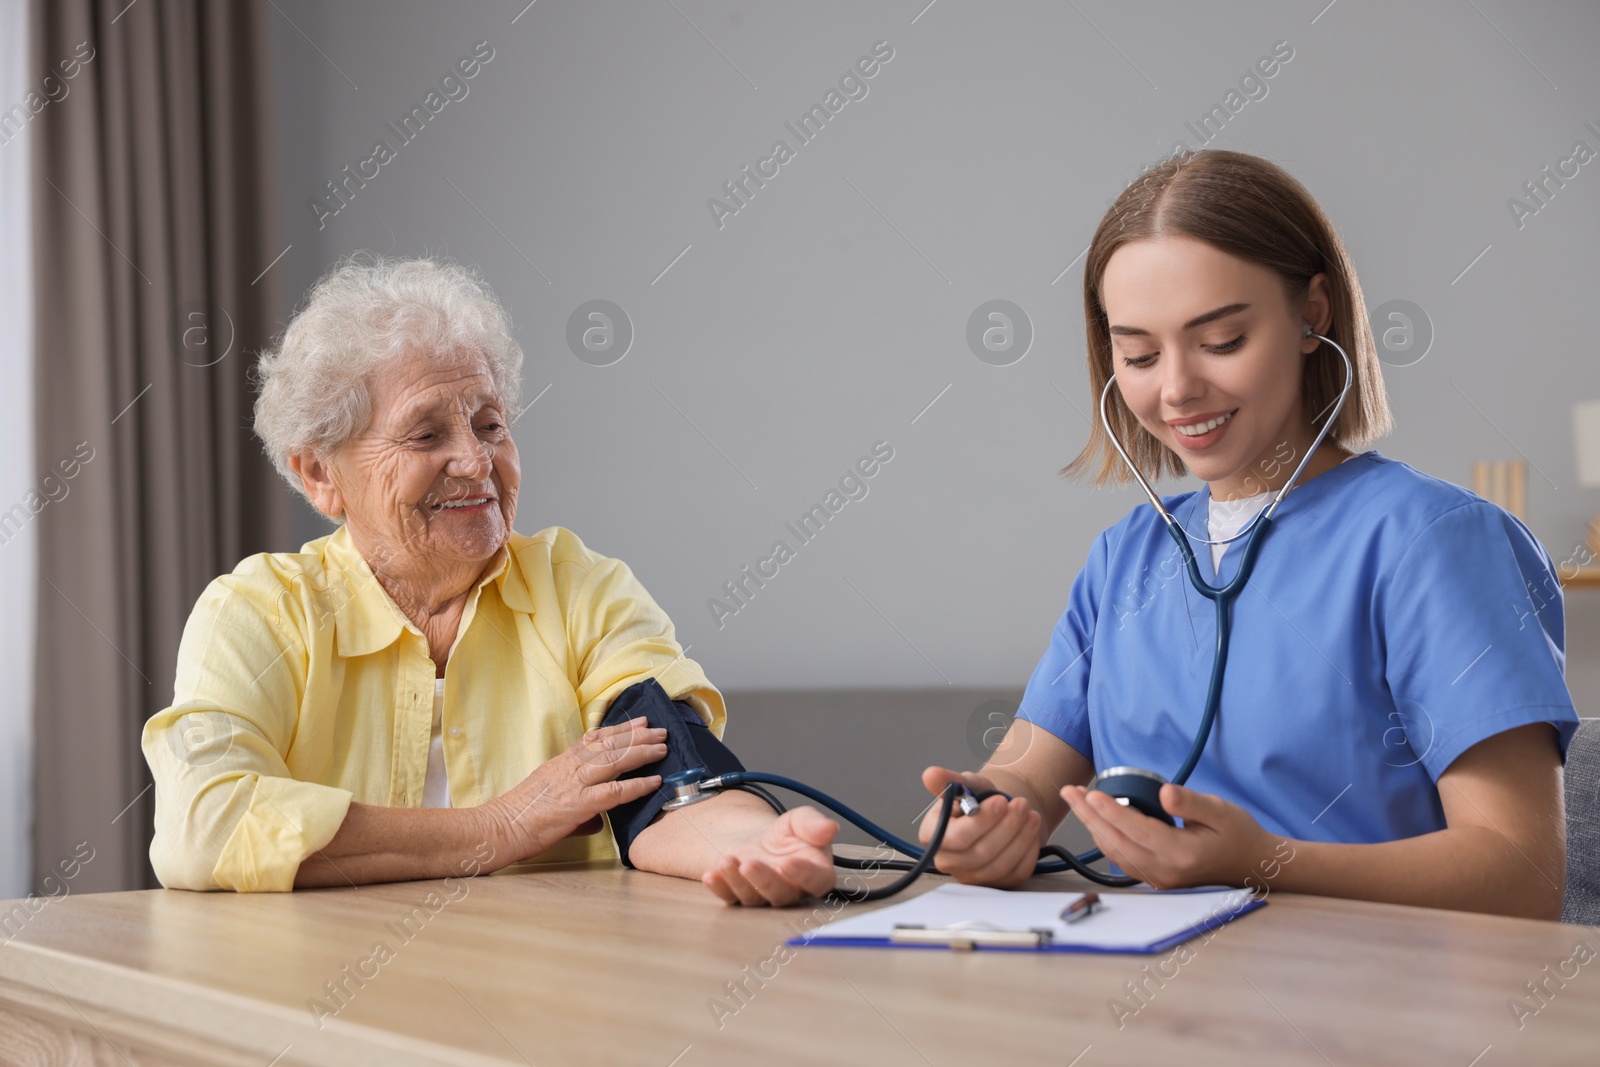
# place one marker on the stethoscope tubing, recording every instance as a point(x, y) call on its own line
point(1222, 596)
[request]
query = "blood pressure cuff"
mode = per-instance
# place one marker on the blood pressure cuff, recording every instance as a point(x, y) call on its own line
point(690, 743)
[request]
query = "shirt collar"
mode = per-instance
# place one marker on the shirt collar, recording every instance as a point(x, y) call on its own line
point(367, 620)
point(1191, 514)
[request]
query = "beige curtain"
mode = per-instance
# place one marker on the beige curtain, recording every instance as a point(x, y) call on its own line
point(153, 237)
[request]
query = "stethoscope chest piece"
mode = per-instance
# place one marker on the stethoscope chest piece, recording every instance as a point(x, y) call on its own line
point(1136, 788)
point(688, 787)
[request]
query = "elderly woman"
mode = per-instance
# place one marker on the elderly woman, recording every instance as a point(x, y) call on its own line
point(420, 693)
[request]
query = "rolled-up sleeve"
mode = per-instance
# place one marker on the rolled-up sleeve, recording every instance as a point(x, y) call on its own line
point(619, 636)
point(228, 813)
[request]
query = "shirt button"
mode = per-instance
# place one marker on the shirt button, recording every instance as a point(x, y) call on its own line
point(455, 731)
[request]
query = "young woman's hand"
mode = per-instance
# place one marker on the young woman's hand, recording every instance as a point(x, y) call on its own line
point(1219, 843)
point(997, 845)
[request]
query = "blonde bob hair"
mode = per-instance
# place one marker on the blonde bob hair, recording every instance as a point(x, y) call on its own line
point(1253, 209)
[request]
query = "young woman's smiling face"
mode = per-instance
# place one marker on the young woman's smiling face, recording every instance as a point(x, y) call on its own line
point(1208, 353)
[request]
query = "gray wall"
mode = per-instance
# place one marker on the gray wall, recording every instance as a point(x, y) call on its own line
point(832, 309)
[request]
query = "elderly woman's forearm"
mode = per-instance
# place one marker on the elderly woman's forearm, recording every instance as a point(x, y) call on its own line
point(379, 844)
point(690, 841)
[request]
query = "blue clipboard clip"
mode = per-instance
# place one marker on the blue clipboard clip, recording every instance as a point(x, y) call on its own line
point(970, 935)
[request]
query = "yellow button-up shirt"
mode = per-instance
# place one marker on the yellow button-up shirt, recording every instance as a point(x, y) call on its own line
point(301, 687)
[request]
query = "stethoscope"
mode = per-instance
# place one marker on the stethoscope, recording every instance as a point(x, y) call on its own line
point(1137, 787)
point(1133, 787)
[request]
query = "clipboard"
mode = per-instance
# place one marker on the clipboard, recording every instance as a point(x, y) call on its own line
point(972, 918)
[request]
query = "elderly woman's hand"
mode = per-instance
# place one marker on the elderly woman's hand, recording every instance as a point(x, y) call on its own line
point(788, 859)
point(571, 790)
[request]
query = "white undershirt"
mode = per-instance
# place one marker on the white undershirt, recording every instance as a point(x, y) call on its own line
point(436, 786)
point(1228, 517)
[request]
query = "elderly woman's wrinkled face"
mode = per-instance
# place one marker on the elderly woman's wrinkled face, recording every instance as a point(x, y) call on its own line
point(433, 478)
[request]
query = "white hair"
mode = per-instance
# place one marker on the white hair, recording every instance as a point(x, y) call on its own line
point(364, 312)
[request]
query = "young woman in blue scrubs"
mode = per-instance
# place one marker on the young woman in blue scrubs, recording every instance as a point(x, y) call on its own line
point(1394, 714)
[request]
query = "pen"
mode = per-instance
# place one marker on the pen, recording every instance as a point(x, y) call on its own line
point(1081, 908)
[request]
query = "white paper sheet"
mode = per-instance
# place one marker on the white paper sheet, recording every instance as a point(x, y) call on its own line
point(1124, 921)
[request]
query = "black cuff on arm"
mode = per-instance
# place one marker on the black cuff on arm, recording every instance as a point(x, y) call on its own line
point(690, 743)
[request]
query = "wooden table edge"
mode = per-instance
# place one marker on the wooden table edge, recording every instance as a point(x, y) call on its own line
point(193, 1023)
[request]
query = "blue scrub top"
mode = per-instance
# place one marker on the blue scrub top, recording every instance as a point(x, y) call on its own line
point(1393, 621)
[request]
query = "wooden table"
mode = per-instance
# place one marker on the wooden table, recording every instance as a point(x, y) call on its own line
point(609, 966)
